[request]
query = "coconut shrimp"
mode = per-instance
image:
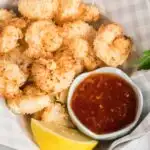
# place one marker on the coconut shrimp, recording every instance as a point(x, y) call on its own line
point(56, 113)
point(111, 46)
point(68, 11)
point(23, 62)
point(38, 9)
point(30, 100)
point(79, 47)
point(9, 38)
point(83, 51)
point(69, 58)
point(90, 13)
point(53, 81)
point(11, 78)
point(92, 62)
point(78, 29)
point(56, 74)
point(6, 15)
point(42, 38)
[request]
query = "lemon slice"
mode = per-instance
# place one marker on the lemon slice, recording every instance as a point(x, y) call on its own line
point(50, 136)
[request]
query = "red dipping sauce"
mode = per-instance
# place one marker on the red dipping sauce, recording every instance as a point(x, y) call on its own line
point(104, 103)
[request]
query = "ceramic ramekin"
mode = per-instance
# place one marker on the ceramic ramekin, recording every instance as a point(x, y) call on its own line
point(115, 134)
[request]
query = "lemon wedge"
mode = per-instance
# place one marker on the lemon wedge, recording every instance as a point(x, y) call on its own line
point(50, 136)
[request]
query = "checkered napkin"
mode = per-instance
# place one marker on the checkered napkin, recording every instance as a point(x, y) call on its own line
point(134, 15)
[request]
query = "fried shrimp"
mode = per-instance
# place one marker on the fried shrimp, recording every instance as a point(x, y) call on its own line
point(18, 57)
point(23, 104)
point(30, 100)
point(68, 11)
point(79, 47)
point(111, 46)
point(78, 29)
point(92, 62)
point(56, 75)
point(38, 9)
point(9, 38)
point(66, 60)
point(6, 15)
point(90, 13)
point(42, 38)
point(83, 51)
point(11, 78)
point(56, 113)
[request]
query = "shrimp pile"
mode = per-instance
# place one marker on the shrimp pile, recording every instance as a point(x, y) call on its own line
point(44, 48)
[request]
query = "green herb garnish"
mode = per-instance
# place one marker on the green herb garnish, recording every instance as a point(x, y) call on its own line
point(144, 61)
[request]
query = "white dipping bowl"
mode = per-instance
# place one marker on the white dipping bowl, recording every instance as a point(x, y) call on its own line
point(118, 133)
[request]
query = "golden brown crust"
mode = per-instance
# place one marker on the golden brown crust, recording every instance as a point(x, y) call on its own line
point(68, 11)
point(111, 46)
point(82, 51)
point(90, 13)
point(9, 38)
point(38, 9)
point(42, 38)
point(78, 29)
point(56, 74)
point(30, 100)
point(11, 78)
point(18, 57)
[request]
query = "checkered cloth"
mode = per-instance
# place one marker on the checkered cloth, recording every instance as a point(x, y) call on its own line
point(134, 15)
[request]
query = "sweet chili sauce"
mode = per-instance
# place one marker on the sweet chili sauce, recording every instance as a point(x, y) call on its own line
point(104, 103)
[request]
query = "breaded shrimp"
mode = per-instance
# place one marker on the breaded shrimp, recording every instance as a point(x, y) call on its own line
point(78, 29)
point(56, 74)
point(12, 72)
point(68, 11)
point(56, 113)
point(90, 13)
point(6, 15)
point(18, 57)
point(11, 78)
point(42, 38)
point(9, 38)
point(66, 60)
point(92, 62)
point(28, 103)
point(111, 46)
point(83, 51)
point(79, 47)
point(8, 88)
point(50, 79)
point(38, 9)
